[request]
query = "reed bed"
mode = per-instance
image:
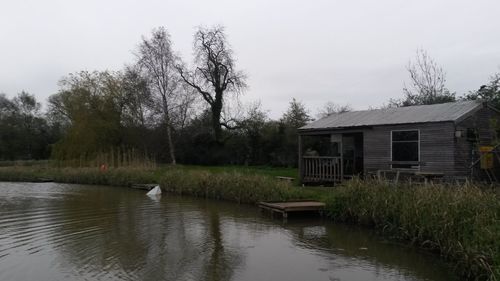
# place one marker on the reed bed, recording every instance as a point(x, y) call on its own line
point(233, 186)
point(22, 173)
point(460, 222)
point(115, 157)
point(124, 176)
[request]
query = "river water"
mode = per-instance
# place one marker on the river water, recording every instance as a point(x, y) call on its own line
point(51, 231)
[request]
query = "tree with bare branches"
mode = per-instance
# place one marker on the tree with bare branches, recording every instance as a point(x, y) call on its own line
point(427, 80)
point(157, 61)
point(331, 108)
point(214, 75)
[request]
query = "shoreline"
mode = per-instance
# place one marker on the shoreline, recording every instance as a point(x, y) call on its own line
point(459, 223)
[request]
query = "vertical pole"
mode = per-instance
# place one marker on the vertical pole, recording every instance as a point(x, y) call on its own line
point(342, 158)
point(301, 172)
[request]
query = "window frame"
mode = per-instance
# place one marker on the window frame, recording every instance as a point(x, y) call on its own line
point(415, 167)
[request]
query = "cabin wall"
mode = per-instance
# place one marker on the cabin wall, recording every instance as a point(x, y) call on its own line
point(436, 147)
point(442, 147)
point(483, 121)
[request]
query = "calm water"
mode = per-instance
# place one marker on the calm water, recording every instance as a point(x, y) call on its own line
point(72, 232)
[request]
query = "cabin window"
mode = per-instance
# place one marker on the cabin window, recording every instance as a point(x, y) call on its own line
point(405, 149)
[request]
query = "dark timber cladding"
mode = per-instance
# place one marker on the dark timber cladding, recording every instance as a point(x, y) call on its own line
point(440, 139)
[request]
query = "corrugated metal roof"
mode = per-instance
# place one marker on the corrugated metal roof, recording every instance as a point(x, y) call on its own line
point(400, 115)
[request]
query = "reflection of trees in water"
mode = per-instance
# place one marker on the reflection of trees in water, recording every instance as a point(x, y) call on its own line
point(222, 261)
point(140, 239)
point(106, 233)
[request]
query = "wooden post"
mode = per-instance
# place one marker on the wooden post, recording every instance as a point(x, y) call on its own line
point(342, 158)
point(301, 172)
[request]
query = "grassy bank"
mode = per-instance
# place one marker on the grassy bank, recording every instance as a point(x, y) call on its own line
point(244, 185)
point(233, 186)
point(459, 222)
point(116, 177)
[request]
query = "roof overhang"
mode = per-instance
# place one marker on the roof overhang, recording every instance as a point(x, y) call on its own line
point(325, 131)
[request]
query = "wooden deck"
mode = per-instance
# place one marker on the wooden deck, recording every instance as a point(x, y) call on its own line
point(293, 206)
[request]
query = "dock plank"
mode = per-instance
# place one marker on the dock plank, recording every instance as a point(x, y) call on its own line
point(293, 206)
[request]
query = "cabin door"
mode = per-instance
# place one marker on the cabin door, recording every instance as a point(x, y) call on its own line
point(352, 152)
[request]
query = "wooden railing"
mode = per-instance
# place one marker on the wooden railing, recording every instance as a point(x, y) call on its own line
point(321, 169)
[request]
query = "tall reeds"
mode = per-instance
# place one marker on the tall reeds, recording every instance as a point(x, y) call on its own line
point(123, 176)
point(115, 157)
point(462, 223)
point(241, 188)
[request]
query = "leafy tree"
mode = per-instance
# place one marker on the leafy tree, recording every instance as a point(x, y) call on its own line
point(489, 92)
point(252, 129)
point(24, 132)
point(296, 115)
point(214, 75)
point(91, 105)
point(8, 129)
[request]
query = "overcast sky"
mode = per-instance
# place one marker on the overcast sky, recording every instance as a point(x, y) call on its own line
point(349, 52)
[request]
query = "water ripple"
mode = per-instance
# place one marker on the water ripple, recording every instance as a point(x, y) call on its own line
point(51, 232)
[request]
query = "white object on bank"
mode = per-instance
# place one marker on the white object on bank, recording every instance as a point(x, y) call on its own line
point(155, 191)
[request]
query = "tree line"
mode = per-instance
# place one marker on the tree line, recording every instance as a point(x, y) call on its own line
point(163, 108)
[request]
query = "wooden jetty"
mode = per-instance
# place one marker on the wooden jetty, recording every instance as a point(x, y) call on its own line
point(293, 206)
point(288, 179)
point(144, 186)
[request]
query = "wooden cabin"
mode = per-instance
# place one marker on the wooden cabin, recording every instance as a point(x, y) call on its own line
point(440, 139)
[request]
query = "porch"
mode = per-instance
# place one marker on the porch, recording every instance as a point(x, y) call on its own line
point(329, 158)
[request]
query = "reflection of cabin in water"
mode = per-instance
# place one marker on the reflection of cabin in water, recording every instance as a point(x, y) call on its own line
point(441, 139)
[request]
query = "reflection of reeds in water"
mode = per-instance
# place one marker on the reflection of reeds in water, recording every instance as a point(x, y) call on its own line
point(462, 223)
point(114, 158)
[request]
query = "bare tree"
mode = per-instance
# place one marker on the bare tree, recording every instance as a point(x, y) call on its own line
point(331, 108)
point(157, 60)
point(214, 74)
point(427, 80)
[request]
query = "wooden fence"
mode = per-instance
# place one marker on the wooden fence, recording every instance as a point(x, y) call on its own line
point(321, 169)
